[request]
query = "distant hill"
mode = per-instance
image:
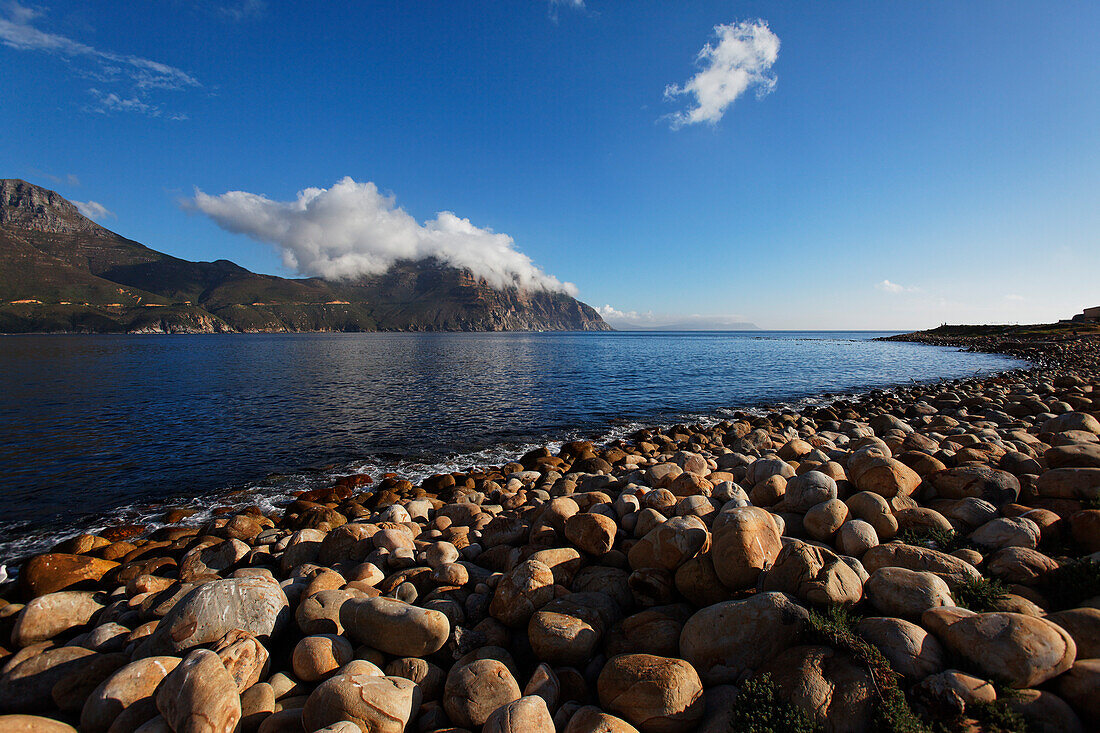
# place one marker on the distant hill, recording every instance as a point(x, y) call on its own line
point(62, 272)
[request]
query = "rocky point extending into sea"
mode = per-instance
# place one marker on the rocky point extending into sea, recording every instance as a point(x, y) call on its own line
point(917, 559)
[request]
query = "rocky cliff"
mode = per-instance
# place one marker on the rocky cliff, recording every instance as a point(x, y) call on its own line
point(62, 272)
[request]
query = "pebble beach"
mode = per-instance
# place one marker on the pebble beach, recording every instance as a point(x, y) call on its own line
point(925, 558)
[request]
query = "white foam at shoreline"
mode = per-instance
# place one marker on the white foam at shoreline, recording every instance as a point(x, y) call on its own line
point(270, 495)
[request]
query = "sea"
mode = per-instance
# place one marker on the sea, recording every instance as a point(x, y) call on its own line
point(102, 430)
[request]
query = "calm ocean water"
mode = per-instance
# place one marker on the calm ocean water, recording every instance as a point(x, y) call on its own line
point(100, 429)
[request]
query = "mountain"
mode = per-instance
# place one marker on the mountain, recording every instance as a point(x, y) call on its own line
point(62, 272)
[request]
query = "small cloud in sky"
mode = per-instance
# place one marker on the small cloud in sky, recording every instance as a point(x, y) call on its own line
point(352, 229)
point(556, 4)
point(1014, 297)
point(69, 179)
point(239, 10)
point(891, 287)
point(94, 210)
point(136, 77)
point(741, 60)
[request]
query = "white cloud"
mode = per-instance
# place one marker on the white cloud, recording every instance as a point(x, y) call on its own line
point(741, 60)
point(94, 210)
point(648, 320)
point(890, 287)
point(352, 229)
point(555, 4)
point(1014, 297)
point(138, 76)
point(69, 179)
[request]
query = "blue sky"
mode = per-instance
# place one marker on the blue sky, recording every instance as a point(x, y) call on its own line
point(886, 166)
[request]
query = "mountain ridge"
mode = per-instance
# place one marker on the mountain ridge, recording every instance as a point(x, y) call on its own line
point(60, 272)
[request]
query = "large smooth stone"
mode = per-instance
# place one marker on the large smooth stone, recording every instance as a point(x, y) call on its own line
point(656, 694)
point(33, 724)
point(199, 696)
point(729, 641)
point(475, 690)
point(210, 611)
point(906, 593)
point(1022, 651)
point(132, 685)
point(813, 574)
point(57, 571)
point(953, 570)
point(27, 687)
point(911, 651)
point(54, 613)
point(746, 540)
point(525, 715)
point(375, 704)
point(395, 627)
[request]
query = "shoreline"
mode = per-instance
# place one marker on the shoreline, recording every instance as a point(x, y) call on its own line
point(562, 570)
point(261, 493)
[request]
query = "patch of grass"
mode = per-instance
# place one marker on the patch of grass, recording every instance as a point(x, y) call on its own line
point(980, 595)
point(1073, 582)
point(835, 627)
point(934, 539)
point(758, 709)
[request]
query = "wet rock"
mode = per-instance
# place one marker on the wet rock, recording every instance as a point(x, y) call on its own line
point(54, 572)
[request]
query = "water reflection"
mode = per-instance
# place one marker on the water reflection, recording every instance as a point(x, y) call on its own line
point(91, 423)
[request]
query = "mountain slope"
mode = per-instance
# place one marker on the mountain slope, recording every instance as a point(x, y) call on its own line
point(61, 272)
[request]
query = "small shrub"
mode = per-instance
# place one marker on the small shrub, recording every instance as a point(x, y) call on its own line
point(1073, 582)
point(934, 538)
point(835, 627)
point(758, 709)
point(980, 595)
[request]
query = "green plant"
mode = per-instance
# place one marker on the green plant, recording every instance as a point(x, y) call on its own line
point(758, 709)
point(980, 595)
point(1073, 582)
point(934, 538)
point(835, 627)
point(991, 717)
